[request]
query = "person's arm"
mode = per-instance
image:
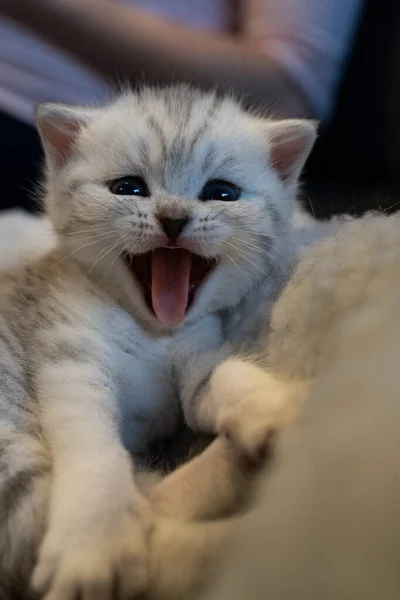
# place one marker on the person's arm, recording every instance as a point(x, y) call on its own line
point(120, 43)
point(310, 40)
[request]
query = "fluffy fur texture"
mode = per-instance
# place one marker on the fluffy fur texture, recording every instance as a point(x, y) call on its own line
point(23, 238)
point(326, 521)
point(89, 374)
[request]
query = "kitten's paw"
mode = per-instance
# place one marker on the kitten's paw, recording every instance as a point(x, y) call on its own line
point(254, 406)
point(105, 561)
point(252, 432)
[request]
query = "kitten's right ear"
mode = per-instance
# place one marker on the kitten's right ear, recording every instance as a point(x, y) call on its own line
point(59, 126)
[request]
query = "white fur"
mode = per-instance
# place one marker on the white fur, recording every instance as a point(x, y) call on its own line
point(105, 377)
point(23, 238)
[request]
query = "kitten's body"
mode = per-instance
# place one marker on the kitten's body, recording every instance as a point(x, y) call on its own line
point(86, 363)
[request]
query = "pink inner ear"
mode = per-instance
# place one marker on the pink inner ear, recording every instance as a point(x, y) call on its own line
point(285, 155)
point(60, 135)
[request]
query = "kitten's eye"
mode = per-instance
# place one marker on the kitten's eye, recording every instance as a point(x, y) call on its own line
point(220, 190)
point(129, 186)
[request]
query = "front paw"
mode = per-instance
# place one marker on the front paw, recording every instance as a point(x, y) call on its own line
point(254, 406)
point(103, 560)
point(252, 430)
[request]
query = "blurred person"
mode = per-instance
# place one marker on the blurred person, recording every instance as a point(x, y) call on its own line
point(286, 55)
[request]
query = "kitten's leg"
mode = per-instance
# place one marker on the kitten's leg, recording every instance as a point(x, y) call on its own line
point(96, 542)
point(209, 486)
point(245, 403)
point(184, 553)
point(184, 556)
point(250, 404)
point(24, 498)
point(25, 471)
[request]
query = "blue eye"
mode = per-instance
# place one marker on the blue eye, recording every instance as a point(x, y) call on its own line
point(220, 190)
point(129, 186)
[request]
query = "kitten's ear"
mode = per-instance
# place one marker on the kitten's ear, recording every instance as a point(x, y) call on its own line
point(59, 126)
point(290, 142)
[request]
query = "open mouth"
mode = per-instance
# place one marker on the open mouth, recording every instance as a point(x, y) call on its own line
point(170, 279)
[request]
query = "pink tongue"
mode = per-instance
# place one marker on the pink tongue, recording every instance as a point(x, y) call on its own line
point(170, 278)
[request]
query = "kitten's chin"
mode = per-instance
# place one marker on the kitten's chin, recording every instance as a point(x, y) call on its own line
point(170, 279)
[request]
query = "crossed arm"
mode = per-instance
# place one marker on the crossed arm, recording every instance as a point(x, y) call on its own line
point(123, 43)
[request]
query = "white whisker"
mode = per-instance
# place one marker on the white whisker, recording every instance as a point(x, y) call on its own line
point(95, 230)
point(91, 243)
point(234, 262)
point(242, 255)
point(254, 247)
point(104, 254)
point(257, 250)
point(122, 240)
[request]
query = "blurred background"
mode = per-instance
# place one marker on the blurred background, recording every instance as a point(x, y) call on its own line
point(333, 60)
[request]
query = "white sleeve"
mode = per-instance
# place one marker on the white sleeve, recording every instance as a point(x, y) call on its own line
point(310, 39)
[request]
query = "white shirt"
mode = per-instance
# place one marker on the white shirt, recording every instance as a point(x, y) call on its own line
point(308, 38)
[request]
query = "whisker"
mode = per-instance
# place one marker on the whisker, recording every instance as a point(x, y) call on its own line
point(266, 244)
point(84, 231)
point(242, 255)
point(391, 207)
point(91, 243)
point(234, 262)
point(94, 237)
point(104, 254)
point(311, 206)
point(119, 254)
point(261, 234)
point(253, 247)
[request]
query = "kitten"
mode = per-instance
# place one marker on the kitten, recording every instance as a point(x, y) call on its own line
point(326, 520)
point(171, 211)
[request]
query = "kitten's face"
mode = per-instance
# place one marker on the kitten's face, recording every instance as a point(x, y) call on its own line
point(172, 196)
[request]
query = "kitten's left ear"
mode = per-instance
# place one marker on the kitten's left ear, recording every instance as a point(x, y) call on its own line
point(290, 142)
point(59, 126)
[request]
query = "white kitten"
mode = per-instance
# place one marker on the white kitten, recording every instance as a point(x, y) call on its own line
point(171, 211)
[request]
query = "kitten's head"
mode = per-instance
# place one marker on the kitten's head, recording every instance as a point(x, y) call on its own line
point(178, 198)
